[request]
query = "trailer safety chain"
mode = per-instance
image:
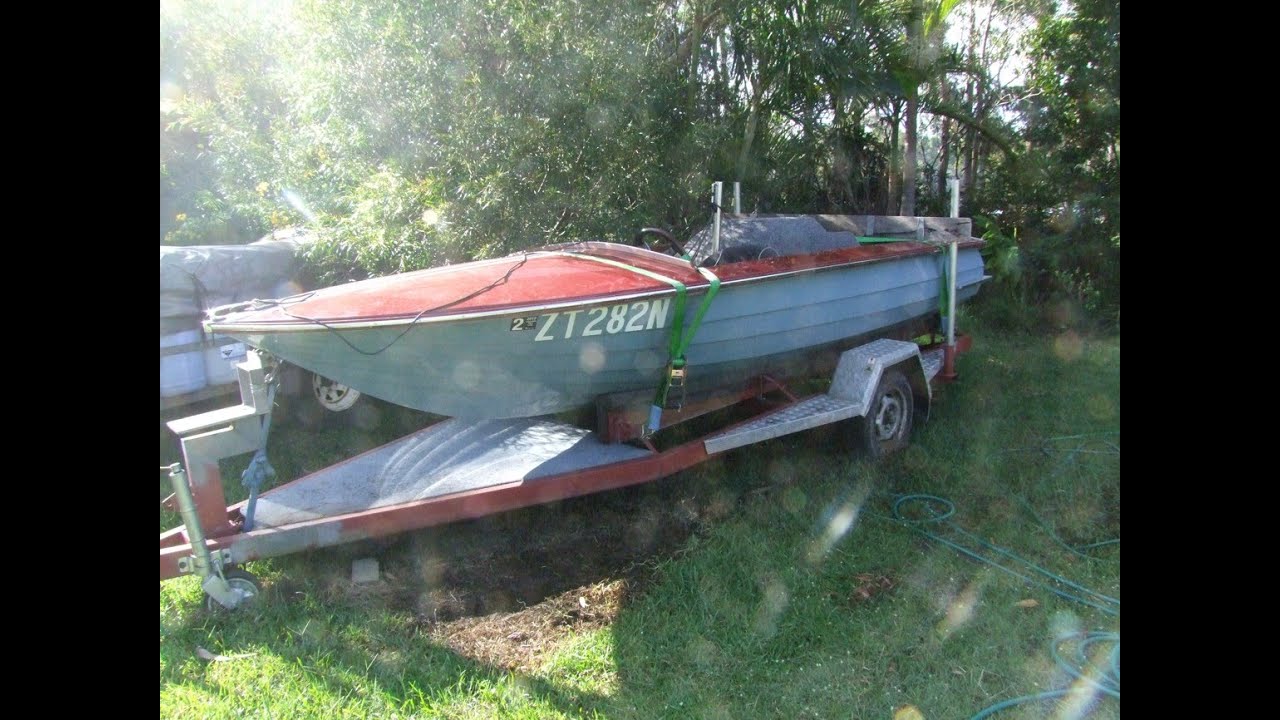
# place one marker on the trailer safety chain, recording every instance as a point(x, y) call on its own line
point(681, 337)
point(259, 467)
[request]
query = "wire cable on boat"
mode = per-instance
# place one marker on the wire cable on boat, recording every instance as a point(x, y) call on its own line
point(506, 277)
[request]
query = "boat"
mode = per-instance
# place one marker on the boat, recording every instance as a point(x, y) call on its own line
point(557, 328)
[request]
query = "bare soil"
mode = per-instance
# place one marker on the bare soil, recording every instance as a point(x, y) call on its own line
point(504, 590)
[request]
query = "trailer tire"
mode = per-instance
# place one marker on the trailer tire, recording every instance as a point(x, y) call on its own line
point(886, 428)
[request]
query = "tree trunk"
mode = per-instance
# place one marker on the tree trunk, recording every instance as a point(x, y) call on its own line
point(723, 73)
point(970, 161)
point(895, 175)
point(909, 161)
point(983, 148)
point(967, 150)
point(749, 134)
point(915, 41)
point(841, 192)
point(695, 53)
point(945, 140)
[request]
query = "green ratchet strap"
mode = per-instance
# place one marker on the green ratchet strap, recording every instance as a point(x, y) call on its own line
point(681, 337)
point(680, 341)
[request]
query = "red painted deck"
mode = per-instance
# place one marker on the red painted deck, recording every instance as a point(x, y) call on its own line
point(535, 279)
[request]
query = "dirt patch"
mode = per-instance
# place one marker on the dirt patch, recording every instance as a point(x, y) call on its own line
point(505, 589)
point(870, 585)
point(865, 587)
point(518, 640)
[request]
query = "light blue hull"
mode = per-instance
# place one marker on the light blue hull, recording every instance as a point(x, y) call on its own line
point(513, 366)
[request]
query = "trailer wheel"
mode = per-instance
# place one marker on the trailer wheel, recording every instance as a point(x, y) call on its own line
point(886, 428)
point(242, 580)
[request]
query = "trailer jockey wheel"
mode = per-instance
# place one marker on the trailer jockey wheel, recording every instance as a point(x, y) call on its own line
point(887, 425)
point(244, 581)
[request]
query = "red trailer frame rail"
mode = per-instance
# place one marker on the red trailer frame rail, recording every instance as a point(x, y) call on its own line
point(422, 479)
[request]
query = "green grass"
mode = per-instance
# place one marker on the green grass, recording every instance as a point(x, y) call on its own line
point(768, 610)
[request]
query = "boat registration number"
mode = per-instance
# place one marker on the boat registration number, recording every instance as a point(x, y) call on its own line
point(611, 320)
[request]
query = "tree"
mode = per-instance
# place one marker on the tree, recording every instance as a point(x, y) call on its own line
point(925, 62)
point(1073, 124)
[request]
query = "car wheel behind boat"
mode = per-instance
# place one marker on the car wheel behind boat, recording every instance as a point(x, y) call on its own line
point(313, 400)
point(333, 396)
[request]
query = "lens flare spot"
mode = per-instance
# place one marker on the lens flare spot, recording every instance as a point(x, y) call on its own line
point(467, 375)
point(703, 652)
point(1101, 407)
point(287, 288)
point(295, 200)
point(1068, 346)
point(961, 610)
point(1079, 700)
point(780, 471)
point(841, 522)
point(771, 606)
point(591, 357)
point(647, 361)
point(1063, 624)
point(794, 500)
point(170, 96)
point(908, 712)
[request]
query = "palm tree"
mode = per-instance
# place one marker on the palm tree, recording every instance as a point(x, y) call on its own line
point(925, 62)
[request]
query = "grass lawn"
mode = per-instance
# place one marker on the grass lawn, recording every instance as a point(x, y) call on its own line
point(771, 583)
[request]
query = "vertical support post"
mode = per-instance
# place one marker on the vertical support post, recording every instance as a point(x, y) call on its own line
point(954, 261)
point(949, 353)
point(737, 198)
point(717, 196)
point(948, 372)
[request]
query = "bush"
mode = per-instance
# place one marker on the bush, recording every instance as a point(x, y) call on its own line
point(392, 224)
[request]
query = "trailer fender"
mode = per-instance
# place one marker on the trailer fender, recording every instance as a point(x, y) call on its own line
point(860, 369)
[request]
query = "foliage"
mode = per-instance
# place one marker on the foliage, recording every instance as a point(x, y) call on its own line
point(392, 226)
point(512, 124)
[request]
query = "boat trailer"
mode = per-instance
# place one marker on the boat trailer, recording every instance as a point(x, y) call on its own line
point(458, 470)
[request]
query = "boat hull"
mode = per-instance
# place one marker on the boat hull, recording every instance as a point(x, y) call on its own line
point(536, 361)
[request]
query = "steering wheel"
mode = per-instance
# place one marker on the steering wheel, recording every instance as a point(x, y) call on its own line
point(676, 248)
